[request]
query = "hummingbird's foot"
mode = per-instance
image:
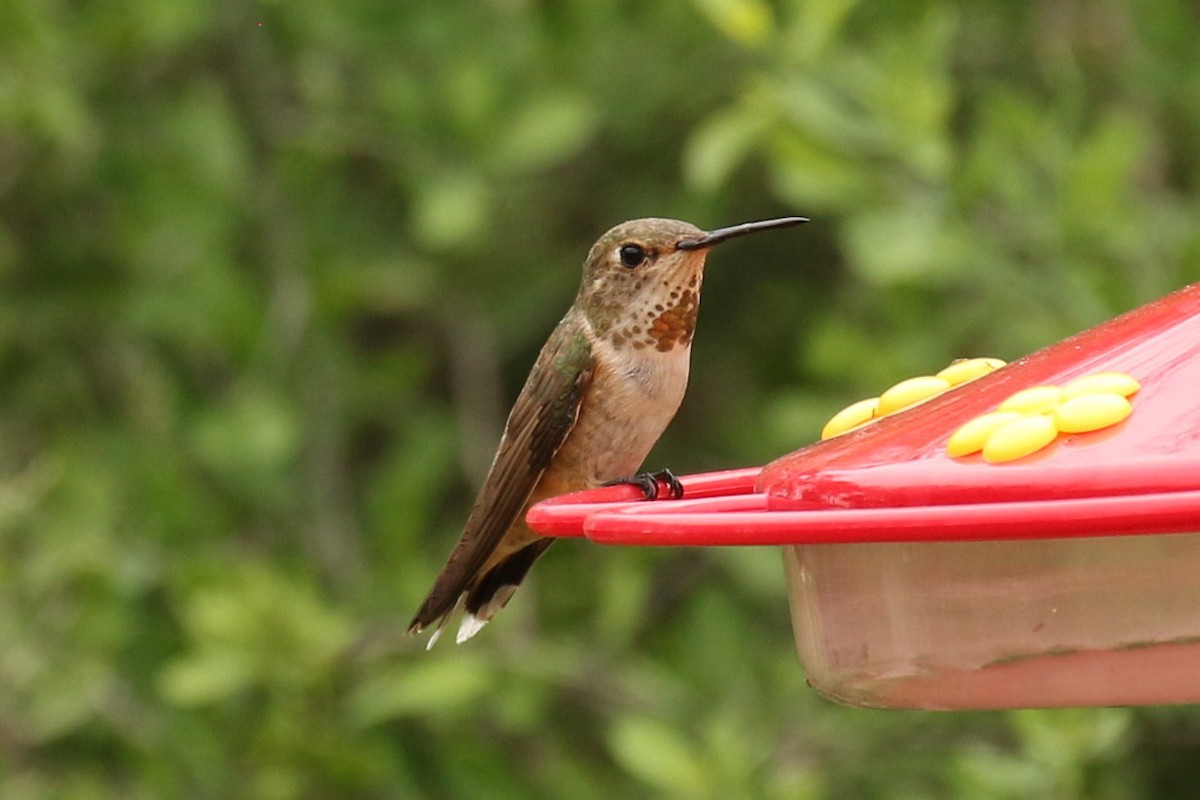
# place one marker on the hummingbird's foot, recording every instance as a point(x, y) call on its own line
point(648, 483)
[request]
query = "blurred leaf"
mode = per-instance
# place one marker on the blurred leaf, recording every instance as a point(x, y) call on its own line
point(720, 145)
point(748, 22)
point(1070, 737)
point(249, 437)
point(658, 755)
point(1102, 173)
point(425, 685)
point(451, 210)
point(810, 175)
point(253, 629)
point(987, 774)
point(816, 27)
point(896, 244)
point(544, 131)
point(207, 678)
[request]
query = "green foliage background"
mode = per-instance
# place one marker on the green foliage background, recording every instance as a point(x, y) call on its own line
point(270, 274)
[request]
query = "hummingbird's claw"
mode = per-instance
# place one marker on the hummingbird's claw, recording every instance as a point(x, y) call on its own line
point(673, 485)
point(648, 483)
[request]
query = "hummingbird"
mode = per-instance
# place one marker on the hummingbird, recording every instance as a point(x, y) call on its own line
point(603, 389)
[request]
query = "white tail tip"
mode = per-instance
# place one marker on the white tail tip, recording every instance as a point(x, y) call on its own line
point(469, 626)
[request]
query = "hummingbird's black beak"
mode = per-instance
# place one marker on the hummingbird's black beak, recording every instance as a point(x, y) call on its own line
point(722, 234)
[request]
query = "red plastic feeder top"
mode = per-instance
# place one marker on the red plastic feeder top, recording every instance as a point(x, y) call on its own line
point(923, 559)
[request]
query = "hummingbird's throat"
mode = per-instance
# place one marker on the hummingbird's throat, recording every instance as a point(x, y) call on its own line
point(666, 322)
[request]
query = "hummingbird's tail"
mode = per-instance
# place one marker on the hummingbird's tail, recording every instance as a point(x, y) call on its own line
point(485, 594)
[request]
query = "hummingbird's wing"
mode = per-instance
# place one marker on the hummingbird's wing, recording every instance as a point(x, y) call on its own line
point(541, 419)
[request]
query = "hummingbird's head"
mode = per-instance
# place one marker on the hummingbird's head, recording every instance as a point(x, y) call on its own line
point(641, 281)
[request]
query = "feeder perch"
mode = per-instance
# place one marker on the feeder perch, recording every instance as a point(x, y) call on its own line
point(1066, 575)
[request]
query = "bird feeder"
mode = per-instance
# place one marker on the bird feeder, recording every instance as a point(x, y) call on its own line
point(922, 574)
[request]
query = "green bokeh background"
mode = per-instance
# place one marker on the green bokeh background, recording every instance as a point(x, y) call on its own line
point(270, 274)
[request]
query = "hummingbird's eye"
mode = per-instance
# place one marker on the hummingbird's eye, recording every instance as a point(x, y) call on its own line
point(632, 255)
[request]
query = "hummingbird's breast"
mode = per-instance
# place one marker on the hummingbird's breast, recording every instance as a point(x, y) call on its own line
point(633, 397)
